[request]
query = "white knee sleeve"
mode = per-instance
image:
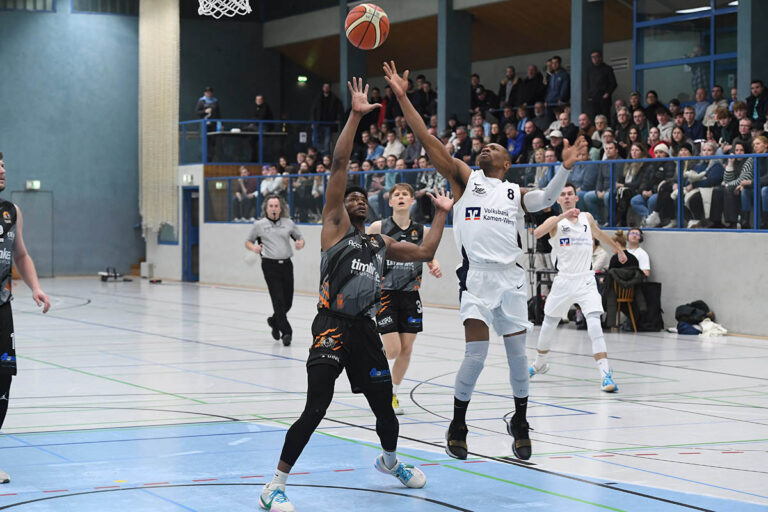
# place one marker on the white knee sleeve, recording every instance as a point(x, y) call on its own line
point(475, 353)
point(518, 364)
point(547, 333)
point(595, 331)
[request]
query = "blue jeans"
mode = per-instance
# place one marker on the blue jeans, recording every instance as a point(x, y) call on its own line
point(592, 203)
point(764, 195)
point(746, 199)
point(643, 206)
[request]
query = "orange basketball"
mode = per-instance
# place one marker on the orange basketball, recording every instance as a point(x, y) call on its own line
point(367, 26)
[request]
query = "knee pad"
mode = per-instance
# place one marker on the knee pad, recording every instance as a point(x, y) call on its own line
point(595, 330)
point(518, 364)
point(475, 353)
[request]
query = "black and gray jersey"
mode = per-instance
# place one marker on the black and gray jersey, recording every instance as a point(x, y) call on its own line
point(402, 275)
point(350, 274)
point(7, 239)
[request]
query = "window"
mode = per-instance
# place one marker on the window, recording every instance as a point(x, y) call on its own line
point(124, 7)
point(28, 5)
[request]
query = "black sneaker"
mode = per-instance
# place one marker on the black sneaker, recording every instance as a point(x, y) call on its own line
point(286, 339)
point(522, 445)
point(275, 330)
point(456, 441)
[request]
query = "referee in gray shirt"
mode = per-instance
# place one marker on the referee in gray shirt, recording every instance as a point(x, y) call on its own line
point(271, 237)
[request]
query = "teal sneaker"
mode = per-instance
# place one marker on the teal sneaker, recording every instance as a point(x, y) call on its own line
point(273, 498)
point(608, 385)
point(534, 371)
point(408, 475)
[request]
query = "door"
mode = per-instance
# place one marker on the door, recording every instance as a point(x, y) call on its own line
point(37, 211)
point(190, 253)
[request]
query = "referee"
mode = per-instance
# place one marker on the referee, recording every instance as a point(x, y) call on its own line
point(271, 237)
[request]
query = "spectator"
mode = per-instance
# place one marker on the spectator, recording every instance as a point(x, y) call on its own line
point(654, 139)
point(679, 120)
point(390, 106)
point(600, 258)
point(541, 116)
point(208, 108)
point(583, 174)
point(761, 146)
point(510, 89)
point(302, 193)
point(634, 103)
point(480, 122)
point(745, 134)
point(522, 118)
point(633, 135)
point(376, 116)
point(474, 82)
point(246, 192)
point(556, 143)
point(394, 147)
point(665, 124)
point(585, 126)
point(375, 150)
point(678, 140)
point(429, 179)
point(725, 130)
point(642, 123)
point(674, 107)
point(515, 141)
point(463, 144)
point(622, 128)
point(401, 128)
point(634, 239)
point(533, 88)
point(272, 183)
point(558, 85)
point(601, 82)
point(655, 201)
point(757, 103)
point(261, 109)
point(327, 108)
point(486, 100)
point(428, 98)
point(569, 130)
point(497, 137)
point(694, 130)
point(599, 196)
point(477, 147)
point(718, 101)
point(652, 105)
point(601, 123)
point(628, 182)
point(707, 174)
point(412, 150)
point(739, 173)
point(609, 136)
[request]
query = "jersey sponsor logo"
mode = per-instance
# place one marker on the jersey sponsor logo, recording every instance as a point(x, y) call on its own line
point(414, 235)
point(333, 357)
point(565, 242)
point(566, 229)
point(360, 267)
point(5, 255)
point(378, 373)
point(413, 320)
point(354, 244)
point(472, 213)
point(11, 235)
point(497, 215)
point(387, 320)
point(7, 217)
point(374, 242)
point(478, 190)
point(6, 358)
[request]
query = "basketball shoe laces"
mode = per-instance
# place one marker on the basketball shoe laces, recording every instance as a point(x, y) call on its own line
point(277, 496)
point(403, 472)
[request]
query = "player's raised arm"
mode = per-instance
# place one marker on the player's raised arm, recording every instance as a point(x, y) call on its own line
point(406, 251)
point(550, 225)
point(454, 170)
point(599, 234)
point(536, 200)
point(335, 218)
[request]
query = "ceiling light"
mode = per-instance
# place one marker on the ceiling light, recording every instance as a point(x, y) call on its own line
point(692, 10)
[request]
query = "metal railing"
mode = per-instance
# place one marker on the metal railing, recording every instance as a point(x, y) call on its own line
point(601, 185)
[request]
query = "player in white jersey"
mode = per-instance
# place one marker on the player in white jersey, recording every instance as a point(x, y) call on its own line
point(487, 214)
point(572, 235)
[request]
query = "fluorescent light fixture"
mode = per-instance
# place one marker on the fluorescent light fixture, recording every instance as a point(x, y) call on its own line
point(33, 184)
point(692, 10)
point(734, 3)
point(301, 79)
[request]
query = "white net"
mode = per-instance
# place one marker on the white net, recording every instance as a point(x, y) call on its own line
point(219, 8)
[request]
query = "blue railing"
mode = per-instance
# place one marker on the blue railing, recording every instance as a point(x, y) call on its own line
point(229, 141)
point(304, 193)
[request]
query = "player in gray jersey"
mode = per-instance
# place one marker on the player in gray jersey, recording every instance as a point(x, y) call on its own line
point(399, 317)
point(12, 249)
point(344, 332)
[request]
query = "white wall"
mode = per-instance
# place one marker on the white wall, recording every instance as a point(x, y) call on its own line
point(726, 270)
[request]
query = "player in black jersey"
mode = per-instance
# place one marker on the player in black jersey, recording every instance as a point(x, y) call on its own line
point(400, 313)
point(12, 248)
point(344, 332)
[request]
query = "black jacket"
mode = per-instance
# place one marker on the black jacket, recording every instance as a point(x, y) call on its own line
point(600, 80)
point(656, 173)
point(327, 108)
point(532, 89)
point(762, 107)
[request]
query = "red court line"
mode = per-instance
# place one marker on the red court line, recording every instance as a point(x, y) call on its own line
point(58, 490)
point(689, 453)
point(473, 461)
point(9, 494)
point(731, 452)
point(605, 455)
point(645, 454)
point(430, 464)
point(341, 470)
point(108, 487)
point(254, 476)
point(304, 473)
point(205, 480)
point(157, 483)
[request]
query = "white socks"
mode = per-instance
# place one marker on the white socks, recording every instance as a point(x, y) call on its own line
point(390, 459)
point(279, 478)
point(395, 389)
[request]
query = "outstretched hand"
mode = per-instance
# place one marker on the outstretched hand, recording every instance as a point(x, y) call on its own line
point(360, 97)
point(441, 199)
point(399, 84)
point(571, 152)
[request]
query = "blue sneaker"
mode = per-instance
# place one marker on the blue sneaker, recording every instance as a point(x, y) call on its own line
point(608, 385)
point(532, 370)
point(273, 498)
point(408, 475)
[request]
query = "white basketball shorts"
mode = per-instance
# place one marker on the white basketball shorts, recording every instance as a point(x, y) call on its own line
point(571, 289)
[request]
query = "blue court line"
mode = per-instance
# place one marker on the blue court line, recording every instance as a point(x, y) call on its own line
point(11, 436)
point(671, 476)
point(168, 500)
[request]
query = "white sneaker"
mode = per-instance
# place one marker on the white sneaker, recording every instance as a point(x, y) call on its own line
point(408, 475)
point(4, 477)
point(671, 224)
point(652, 220)
point(396, 406)
point(532, 370)
point(273, 498)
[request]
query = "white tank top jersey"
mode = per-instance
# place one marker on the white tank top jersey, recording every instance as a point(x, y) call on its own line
point(572, 246)
point(486, 219)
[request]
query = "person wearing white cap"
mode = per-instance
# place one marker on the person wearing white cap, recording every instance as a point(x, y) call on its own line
point(657, 175)
point(556, 141)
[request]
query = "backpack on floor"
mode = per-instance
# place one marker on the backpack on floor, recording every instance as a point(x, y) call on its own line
point(693, 313)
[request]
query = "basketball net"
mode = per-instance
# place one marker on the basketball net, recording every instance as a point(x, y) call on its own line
point(219, 8)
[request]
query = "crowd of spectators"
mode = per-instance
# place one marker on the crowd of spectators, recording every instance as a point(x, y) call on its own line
point(531, 117)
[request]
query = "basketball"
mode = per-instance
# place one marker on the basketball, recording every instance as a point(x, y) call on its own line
point(367, 26)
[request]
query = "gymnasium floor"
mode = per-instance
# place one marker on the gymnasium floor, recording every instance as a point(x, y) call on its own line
point(170, 397)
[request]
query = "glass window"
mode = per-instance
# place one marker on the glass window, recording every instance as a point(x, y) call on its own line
point(725, 75)
point(27, 5)
point(655, 9)
point(725, 33)
point(674, 41)
point(671, 82)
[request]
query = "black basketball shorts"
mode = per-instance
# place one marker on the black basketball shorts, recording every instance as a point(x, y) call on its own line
point(351, 344)
point(399, 312)
point(7, 341)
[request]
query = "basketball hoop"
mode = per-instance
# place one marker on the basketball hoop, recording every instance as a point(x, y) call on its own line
point(219, 8)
